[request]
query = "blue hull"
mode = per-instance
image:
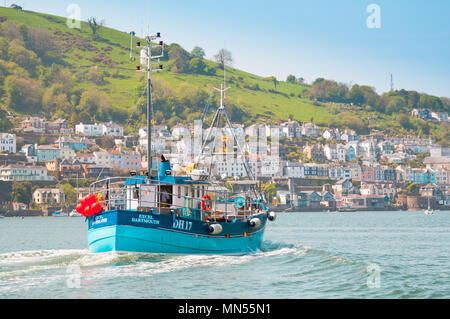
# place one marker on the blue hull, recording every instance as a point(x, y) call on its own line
point(149, 233)
point(134, 239)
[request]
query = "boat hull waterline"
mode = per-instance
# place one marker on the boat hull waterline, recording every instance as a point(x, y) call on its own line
point(147, 232)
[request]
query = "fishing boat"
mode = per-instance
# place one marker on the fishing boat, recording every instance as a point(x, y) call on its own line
point(74, 213)
point(346, 209)
point(59, 214)
point(170, 213)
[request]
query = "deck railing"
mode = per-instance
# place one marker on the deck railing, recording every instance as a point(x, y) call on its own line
point(131, 195)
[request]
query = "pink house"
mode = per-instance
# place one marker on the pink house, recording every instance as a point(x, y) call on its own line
point(131, 161)
point(367, 174)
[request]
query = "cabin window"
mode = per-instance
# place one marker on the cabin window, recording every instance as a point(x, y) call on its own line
point(186, 191)
point(179, 192)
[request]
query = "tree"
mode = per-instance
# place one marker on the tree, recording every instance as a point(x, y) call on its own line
point(413, 99)
point(106, 142)
point(356, 95)
point(55, 98)
point(197, 65)
point(395, 104)
point(404, 121)
point(198, 52)
point(223, 58)
point(22, 95)
point(291, 79)
point(179, 59)
point(274, 80)
point(70, 193)
point(22, 192)
point(95, 25)
point(25, 58)
point(269, 190)
point(96, 76)
point(95, 102)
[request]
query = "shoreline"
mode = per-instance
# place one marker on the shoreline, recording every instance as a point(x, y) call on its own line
point(274, 209)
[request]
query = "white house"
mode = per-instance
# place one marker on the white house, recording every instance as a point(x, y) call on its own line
point(101, 158)
point(335, 152)
point(256, 130)
point(440, 116)
point(293, 170)
point(291, 129)
point(274, 131)
point(349, 135)
point(332, 134)
point(8, 142)
point(339, 172)
point(229, 168)
point(180, 131)
point(112, 129)
point(310, 130)
point(89, 129)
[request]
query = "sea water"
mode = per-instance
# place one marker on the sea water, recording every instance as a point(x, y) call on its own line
point(304, 255)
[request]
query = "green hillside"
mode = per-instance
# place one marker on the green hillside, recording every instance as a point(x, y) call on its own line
point(50, 70)
point(76, 51)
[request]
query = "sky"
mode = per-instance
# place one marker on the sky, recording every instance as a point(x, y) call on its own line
point(337, 40)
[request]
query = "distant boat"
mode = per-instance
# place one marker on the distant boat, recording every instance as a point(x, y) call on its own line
point(346, 209)
point(429, 210)
point(60, 214)
point(74, 213)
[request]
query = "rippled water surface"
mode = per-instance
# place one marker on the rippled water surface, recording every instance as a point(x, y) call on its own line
point(304, 255)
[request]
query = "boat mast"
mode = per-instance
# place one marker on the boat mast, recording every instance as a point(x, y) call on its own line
point(149, 105)
point(146, 59)
point(222, 111)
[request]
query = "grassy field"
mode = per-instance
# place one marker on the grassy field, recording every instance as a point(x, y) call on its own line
point(78, 48)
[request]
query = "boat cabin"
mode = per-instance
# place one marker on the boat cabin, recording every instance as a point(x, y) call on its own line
point(181, 195)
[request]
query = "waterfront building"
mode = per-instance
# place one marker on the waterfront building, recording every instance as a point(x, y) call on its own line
point(48, 196)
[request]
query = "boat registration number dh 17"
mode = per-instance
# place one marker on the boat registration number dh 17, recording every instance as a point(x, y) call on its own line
point(182, 224)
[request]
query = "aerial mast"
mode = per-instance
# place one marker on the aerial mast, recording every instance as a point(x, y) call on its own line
point(392, 83)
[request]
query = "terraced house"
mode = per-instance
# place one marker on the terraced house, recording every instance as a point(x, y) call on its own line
point(7, 142)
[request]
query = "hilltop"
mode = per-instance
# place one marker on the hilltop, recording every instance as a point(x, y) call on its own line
point(54, 71)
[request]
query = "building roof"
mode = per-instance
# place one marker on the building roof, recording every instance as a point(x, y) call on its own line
point(437, 160)
point(49, 190)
